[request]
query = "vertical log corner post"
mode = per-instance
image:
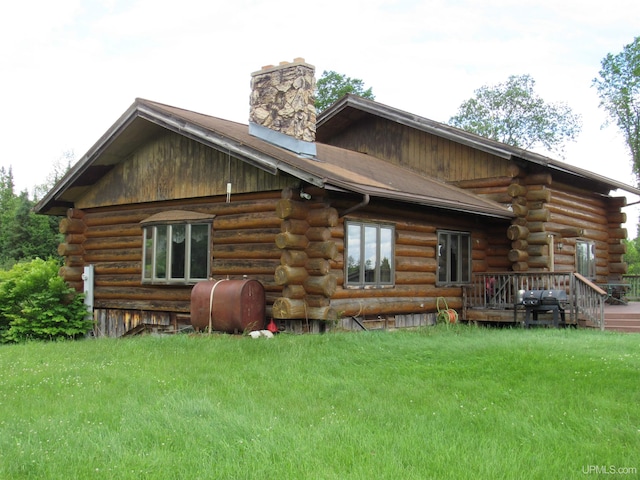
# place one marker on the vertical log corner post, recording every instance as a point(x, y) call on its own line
point(71, 249)
point(307, 249)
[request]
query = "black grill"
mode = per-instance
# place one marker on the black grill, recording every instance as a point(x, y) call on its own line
point(536, 301)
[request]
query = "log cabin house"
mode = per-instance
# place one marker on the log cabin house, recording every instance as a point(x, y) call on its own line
point(366, 216)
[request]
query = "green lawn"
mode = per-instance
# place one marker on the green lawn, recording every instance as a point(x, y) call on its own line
point(458, 402)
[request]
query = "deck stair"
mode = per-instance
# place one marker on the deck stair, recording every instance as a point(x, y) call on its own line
point(622, 318)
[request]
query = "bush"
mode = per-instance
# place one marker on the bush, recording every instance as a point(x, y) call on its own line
point(37, 304)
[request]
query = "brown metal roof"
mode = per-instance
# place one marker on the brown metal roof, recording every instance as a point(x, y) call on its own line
point(331, 167)
point(351, 108)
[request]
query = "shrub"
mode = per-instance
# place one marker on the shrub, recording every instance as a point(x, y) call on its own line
point(37, 304)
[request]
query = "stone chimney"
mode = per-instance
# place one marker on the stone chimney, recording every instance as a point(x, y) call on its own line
point(283, 108)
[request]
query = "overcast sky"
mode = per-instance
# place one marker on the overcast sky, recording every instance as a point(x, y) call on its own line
point(70, 68)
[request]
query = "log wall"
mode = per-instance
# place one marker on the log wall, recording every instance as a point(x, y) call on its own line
point(243, 243)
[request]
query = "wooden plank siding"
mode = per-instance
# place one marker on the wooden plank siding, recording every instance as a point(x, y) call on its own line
point(175, 167)
point(420, 151)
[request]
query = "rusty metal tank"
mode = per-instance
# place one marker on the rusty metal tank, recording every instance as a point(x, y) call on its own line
point(232, 306)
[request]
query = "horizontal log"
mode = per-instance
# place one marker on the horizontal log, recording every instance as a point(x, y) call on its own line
point(71, 274)
point(318, 266)
point(294, 258)
point(618, 267)
point(408, 291)
point(538, 250)
point(538, 195)
point(571, 232)
point(72, 225)
point(620, 233)
point(479, 266)
point(74, 238)
point(540, 215)
point(288, 208)
point(415, 278)
point(74, 261)
point(143, 293)
point(106, 268)
point(328, 250)
point(540, 262)
point(577, 199)
point(65, 249)
point(407, 237)
point(519, 210)
point(238, 267)
point(516, 190)
point(316, 301)
point(291, 240)
point(618, 248)
point(538, 179)
point(321, 285)
point(323, 217)
point(127, 230)
point(298, 227)
point(245, 235)
point(110, 243)
point(496, 197)
point(520, 267)
point(75, 213)
point(416, 264)
point(520, 244)
point(294, 291)
point(390, 306)
point(246, 220)
point(415, 251)
point(539, 238)
point(318, 234)
point(148, 305)
point(287, 308)
point(518, 256)
point(517, 232)
point(246, 250)
point(498, 263)
point(577, 218)
point(537, 226)
point(286, 275)
point(120, 255)
point(616, 218)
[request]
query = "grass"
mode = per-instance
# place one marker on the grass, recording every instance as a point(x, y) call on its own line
point(433, 403)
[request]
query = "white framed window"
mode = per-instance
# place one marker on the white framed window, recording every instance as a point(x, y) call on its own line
point(369, 254)
point(586, 258)
point(454, 257)
point(176, 250)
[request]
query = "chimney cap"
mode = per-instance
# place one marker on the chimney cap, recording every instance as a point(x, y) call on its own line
point(284, 64)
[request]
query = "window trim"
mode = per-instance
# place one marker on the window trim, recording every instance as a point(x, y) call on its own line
point(170, 220)
point(460, 270)
point(361, 282)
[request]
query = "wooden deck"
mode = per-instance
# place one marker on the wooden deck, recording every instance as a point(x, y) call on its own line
point(622, 318)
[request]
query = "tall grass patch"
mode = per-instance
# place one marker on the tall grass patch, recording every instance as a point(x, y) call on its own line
point(441, 402)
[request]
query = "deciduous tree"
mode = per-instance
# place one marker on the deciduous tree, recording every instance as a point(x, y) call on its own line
point(332, 86)
point(512, 113)
point(618, 86)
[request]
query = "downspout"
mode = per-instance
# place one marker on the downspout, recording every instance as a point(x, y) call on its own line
point(363, 203)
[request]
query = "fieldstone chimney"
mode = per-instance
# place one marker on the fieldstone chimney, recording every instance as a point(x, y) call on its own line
point(283, 108)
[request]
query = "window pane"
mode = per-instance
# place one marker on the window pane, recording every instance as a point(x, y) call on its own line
point(442, 256)
point(147, 268)
point(465, 257)
point(161, 251)
point(354, 253)
point(370, 253)
point(199, 251)
point(178, 250)
point(386, 254)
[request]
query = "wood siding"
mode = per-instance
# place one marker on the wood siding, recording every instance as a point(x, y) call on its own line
point(419, 151)
point(175, 167)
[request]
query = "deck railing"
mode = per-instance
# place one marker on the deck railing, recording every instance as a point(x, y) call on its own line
point(633, 290)
point(502, 291)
